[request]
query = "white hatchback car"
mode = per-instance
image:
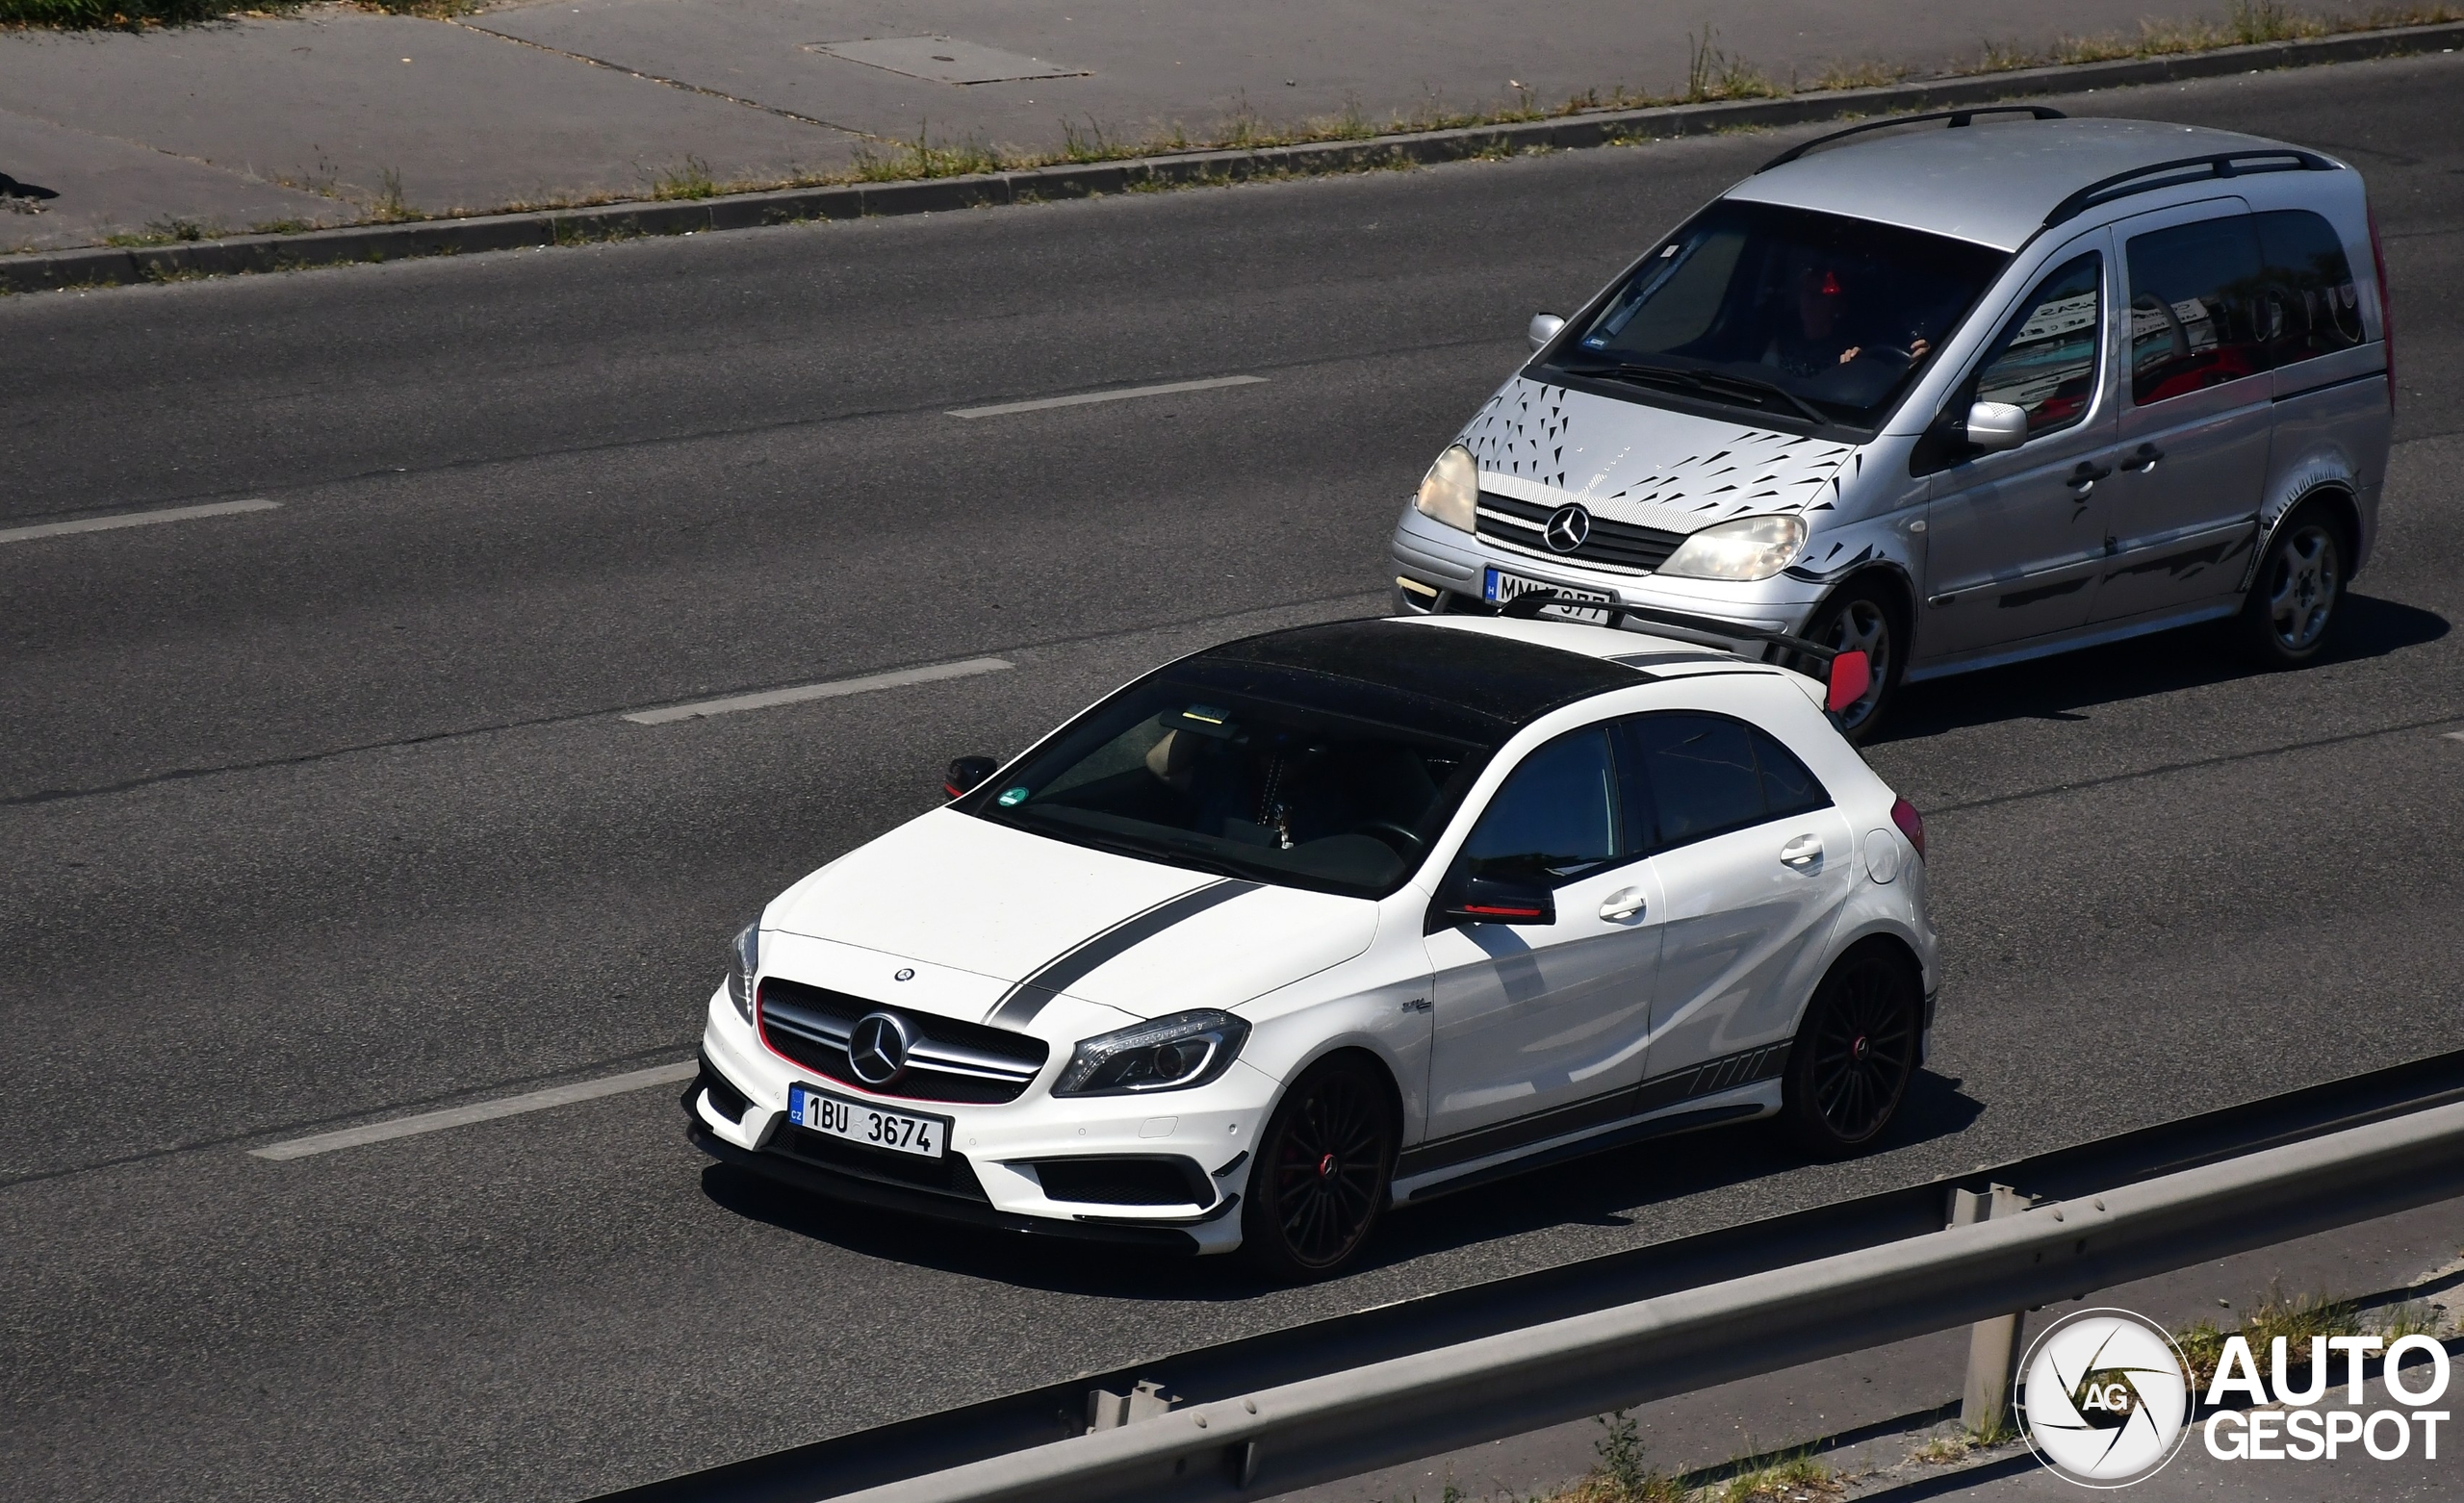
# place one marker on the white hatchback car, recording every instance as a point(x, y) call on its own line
point(1336, 918)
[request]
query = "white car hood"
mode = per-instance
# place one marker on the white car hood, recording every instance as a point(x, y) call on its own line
point(1041, 919)
point(1629, 462)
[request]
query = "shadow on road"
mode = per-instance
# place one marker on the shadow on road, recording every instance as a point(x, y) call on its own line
point(2059, 688)
point(1616, 1188)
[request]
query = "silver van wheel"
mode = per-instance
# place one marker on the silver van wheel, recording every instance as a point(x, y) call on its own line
point(2292, 607)
point(1861, 624)
point(2302, 585)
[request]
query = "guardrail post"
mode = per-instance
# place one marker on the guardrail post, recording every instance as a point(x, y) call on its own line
point(1993, 1345)
point(1109, 1411)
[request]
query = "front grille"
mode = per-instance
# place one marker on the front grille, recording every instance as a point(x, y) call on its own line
point(950, 1061)
point(948, 1175)
point(1156, 1180)
point(1612, 544)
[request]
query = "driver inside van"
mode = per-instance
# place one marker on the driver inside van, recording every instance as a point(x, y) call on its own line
point(1820, 336)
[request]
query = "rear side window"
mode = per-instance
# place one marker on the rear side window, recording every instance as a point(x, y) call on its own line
point(2194, 308)
point(1554, 818)
point(2310, 306)
point(1704, 775)
point(2046, 360)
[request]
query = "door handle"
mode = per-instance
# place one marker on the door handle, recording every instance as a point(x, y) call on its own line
point(1803, 854)
point(2144, 458)
point(2084, 478)
point(1626, 903)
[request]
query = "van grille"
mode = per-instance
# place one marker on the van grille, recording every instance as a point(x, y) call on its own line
point(1619, 546)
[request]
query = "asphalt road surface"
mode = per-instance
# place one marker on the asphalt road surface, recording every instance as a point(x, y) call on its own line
point(325, 812)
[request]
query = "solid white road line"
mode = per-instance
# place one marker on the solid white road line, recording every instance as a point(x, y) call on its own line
point(1121, 394)
point(819, 691)
point(481, 1112)
point(53, 530)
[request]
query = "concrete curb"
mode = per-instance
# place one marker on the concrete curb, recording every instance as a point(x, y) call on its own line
point(111, 265)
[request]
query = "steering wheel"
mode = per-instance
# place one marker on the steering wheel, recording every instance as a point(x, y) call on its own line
point(1406, 842)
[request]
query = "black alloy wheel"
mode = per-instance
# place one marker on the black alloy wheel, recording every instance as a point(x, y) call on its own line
point(1859, 619)
point(1854, 1054)
point(2291, 603)
point(1322, 1168)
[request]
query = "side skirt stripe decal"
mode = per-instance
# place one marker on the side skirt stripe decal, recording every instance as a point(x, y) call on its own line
point(1708, 1079)
point(1022, 1003)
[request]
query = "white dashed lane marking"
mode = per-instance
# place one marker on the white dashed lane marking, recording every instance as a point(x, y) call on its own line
point(1118, 395)
point(768, 698)
point(479, 1111)
point(54, 529)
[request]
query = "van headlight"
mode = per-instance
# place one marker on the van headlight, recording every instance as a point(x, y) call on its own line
point(744, 962)
point(1750, 548)
point(1168, 1053)
point(1451, 491)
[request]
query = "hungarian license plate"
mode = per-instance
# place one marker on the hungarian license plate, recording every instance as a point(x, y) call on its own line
point(873, 1127)
point(1501, 587)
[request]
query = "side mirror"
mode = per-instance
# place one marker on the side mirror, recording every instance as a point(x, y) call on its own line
point(1852, 674)
point(1544, 328)
point(1498, 900)
point(967, 774)
point(1995, 427)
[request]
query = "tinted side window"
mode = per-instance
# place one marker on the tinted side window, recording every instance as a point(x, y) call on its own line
point(1702, 771)
point(2310, 306)
point(2046, 360)
point(1789, 787)
point(1555, 816)
point(1702, 775)
point(2194, 308)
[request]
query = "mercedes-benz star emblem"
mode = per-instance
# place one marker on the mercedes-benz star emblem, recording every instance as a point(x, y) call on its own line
point(1568, 527)
point(877, 1048)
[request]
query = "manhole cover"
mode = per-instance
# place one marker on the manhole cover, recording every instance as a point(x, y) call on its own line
point(944, 60)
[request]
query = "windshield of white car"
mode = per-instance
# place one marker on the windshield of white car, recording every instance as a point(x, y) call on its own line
point(1783, 311)
point(1271, 775)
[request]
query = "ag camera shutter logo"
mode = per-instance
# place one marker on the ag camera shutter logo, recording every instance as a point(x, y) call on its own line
point(2108, 1398)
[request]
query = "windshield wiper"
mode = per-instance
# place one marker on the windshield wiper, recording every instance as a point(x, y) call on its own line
point(1698, 381)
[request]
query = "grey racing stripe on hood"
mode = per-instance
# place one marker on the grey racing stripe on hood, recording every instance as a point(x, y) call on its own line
point(1022, 1003)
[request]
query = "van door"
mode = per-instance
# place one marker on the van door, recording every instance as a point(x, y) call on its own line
point(2197, 417)
point(2015, 540)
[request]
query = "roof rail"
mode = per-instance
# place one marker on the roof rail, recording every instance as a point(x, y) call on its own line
point(2221, 164)
point(1705, 630)
point(1957, 118)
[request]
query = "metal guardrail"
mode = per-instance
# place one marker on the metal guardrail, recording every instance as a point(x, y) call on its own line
point(1353, 1421)
point(1008, 1435)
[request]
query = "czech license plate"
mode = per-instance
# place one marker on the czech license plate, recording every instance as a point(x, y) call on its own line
point(1501, 587)
point(899, 1132)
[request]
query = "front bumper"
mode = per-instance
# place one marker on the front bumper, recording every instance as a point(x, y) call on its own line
point(1440, 557)
point(736, 1109)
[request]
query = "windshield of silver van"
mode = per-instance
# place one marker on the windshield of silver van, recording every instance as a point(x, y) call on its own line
point(1786, 312)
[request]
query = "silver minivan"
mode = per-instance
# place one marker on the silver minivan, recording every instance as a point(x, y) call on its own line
point(1956, 390)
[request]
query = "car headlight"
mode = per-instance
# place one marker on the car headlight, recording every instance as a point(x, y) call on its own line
point(744, 962)
point(1750, 548)
point(1168, 1053)
point(1451, 491)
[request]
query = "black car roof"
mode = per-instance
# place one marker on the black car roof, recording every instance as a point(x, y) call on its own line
point(1502, 681)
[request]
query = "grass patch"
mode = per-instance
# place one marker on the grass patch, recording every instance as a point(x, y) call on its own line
point(165, 231)
point(1713, 74)
point(2296, 1319)
point(692, 179)
point(1781, 1481)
